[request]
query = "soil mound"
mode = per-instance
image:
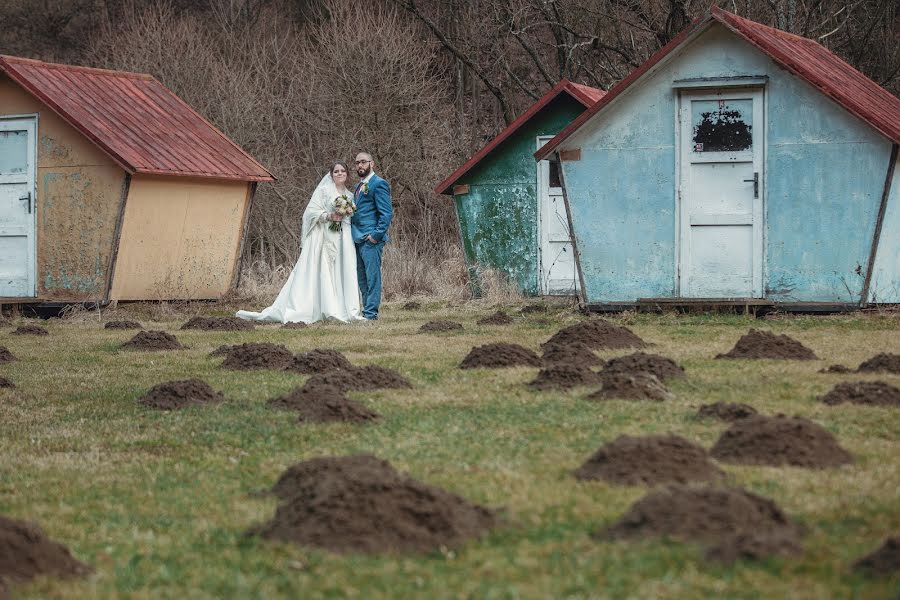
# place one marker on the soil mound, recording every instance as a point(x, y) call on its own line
point(320, 360)
point(323, 404)
point(123, 325)
point(765, 344)
point(498, 318)
point(153, 340)
point(361, 504)
point(6, 383)
point(836, 369)
point(779, 440)
point(26, 552)
point(440, 326)
point(295, 325)
point(257, 355)
point(884, 362)
point(726, 411)
point(173, 395)
point(873, 393)
point(664, 368)
point(577, 353)
point(718, 517)
point(6, 356)
point(370, 377)
point(632, 386)
point(564, 376)
point(530, 309)
point(597, 334)
point(218, 324)
point(884, 562)
point(30, 330)
point(493, 356)
point(412, 306)
point(650, 460)
point(224, 349)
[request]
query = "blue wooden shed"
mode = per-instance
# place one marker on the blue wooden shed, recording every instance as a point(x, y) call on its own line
point(742, 164)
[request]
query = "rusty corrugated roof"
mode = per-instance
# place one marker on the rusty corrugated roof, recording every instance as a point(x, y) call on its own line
point(135, 119)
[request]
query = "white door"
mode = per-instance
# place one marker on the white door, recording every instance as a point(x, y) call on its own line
point(557, 261)
point(721, 194)
point(17, 222)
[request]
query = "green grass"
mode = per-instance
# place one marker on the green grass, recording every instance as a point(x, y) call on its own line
point(158, 503)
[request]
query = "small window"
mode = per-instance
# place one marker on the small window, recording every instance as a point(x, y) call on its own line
point(554, 174)
point(722, 125)
point(13, 152)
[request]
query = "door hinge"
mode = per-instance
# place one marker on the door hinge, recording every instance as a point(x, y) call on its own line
point(27, 197)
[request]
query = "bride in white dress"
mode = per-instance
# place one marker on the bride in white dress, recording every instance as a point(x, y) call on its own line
point(323, 283)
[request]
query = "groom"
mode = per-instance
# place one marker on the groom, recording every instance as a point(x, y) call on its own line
point(369, 226)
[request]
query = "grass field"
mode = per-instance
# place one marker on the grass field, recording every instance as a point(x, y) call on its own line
point(159, 502)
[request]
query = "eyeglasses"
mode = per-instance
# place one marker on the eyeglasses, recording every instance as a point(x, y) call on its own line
point(362, 162)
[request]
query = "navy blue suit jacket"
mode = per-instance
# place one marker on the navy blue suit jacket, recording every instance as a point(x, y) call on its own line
point(373, 211)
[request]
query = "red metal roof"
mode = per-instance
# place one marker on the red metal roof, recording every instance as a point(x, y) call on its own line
point(132, 117)
point(803, 57)
point(586, 95)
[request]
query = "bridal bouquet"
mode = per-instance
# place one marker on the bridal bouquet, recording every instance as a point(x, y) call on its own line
point(343, 206)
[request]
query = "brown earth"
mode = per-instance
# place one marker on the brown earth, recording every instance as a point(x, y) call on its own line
point(152, 340)
point(529, 309)
point(440, 326)
point(725, 519)
point(778, 441)
point(224, 349)
point(836, 369)
point(320, 360)
point(884, 362)
point(872, 393)
point(6, 356)
point(664, 368)
point(6, 383)
point(295, 325)
point(361, 504)
point(323, 404)
point(173, 395)
point(883, 562)
point(493, 356)
point(218, 324)
point(576, 354)
point(564, 376)
point(123, 325)
point(631, 386)
point(597, 334)
point(257, 355)
point(498, 318)
point(26, 552)
point(765, 344)
point(412, 306)
point(370, 377)
point(726, 411)
point(650, 460)
point(30, 330)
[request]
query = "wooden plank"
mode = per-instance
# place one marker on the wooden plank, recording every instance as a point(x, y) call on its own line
point(570, 155)
point(459, 190)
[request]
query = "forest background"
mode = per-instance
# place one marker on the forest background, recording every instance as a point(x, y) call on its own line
point(421, 84)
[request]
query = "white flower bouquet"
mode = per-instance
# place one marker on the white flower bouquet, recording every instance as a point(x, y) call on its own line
point(344, 206)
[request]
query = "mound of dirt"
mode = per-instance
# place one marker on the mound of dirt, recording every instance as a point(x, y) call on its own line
point(323, 404)
point(873, 393)
point(664, 368)
point(173, 395)
point(320, 360)
point(153, 340)
point(361, 504)
point(765, 344)
point(6, 356)
point(597, 334)
point(530, 309)
point(123, 325)
point(493, 356)
point(257, 355)
point(883, 562)
point(836, 369)
point(6, 383)
point(881, 363)
point(577, 354)
point(498, 318)
point(718, 517)
point(295, 325)
point(726, 411)
point(631, 386)
point(30, 330)
point(412, 306)
point(370, 377)
point(26, 552)
point(650, 460)
point(440, 326)
point(218, 324)
point(224, 349)
point(564, 376)
point(778, 441)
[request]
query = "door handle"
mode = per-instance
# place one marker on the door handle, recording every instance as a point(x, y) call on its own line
point(755, 181)
point(27, 197)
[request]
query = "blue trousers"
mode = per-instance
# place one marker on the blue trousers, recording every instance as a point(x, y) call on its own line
point(368, 273)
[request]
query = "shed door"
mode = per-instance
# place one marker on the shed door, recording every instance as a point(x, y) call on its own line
point(17, 220)
point(557, 261)
point(721, 195)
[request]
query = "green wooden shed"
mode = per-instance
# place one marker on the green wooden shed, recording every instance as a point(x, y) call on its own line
point(511, 212)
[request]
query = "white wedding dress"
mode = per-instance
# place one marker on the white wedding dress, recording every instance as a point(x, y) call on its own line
point(323, 283)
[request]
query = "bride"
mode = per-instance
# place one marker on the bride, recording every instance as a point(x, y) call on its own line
point(323, 283)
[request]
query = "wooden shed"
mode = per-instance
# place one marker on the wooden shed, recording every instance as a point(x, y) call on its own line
point(511, 214)
point(113, 188)
point(739, 164)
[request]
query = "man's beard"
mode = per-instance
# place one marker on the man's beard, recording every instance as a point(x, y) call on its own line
point(363, 172)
